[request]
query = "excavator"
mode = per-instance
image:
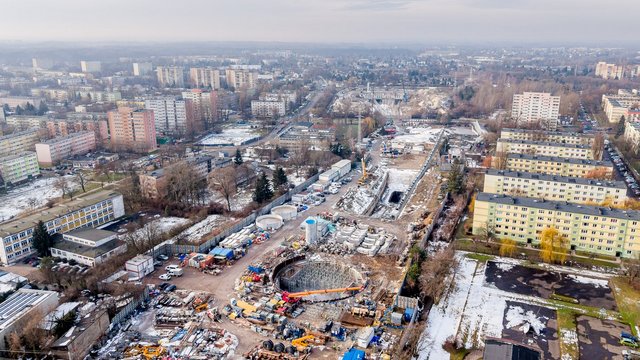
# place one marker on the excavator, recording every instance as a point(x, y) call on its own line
point(364, 172)
point(303, 343)
point(295, 297)
point(147, 351)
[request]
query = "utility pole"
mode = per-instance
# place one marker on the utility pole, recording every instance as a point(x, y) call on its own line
point(359, 127)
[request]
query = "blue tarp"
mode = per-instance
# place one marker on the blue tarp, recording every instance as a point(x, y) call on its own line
point(353, 354)
point(222, 252)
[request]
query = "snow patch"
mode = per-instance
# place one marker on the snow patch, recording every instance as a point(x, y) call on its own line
point(517, 317)
point(599, 283)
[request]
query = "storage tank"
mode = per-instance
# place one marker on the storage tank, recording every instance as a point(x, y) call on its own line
point(287, 212)
point(311, 232)
point(269, 222)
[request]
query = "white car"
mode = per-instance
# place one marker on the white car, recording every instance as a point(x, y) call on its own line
point(164, 277)
point(171, 267)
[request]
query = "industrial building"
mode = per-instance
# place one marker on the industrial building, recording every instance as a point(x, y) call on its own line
point(19, 308)
point(305, 134)
point(88, 246)
point(557, 166)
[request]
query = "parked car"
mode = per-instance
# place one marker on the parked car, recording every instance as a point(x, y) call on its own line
point(166, 276)
point(168, 268)
point(163, 285)
point(162, 257)
point(170, 288)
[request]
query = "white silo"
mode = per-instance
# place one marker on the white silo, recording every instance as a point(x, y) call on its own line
point(311, 233)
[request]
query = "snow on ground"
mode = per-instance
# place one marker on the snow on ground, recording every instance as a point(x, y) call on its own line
point(30, 196)
point(401, 179)
point(417, 136)
point(162, 224)
point(599, 283)
point(230, 137)
point(517, 317)
point(202, 228)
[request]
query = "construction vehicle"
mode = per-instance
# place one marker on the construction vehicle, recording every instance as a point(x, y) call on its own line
point(147, 351)
point(304, 342)
point(201, 307)
point(295, 297)
point(364, 172)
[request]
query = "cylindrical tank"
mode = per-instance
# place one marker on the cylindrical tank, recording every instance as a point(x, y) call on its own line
point(269, 222)
point(287, 212)
point(311, 232)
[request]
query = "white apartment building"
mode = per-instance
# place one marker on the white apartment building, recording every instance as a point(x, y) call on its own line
point(268, 109)
point(170, 76)
point(87, 210)
point(99, 96)
point(205, 77)
point(576, 151)
point(554, 187)
point(26, 121)
point(632, 134)
point(557, 165)
point(51, 152)
point(535, 106)
point(237, 78)
point(549, 136)
point(609, 71)
point(88, 246)
point(170, 115)
point(51, 94)
point(19, 142)
point(17, 168)
point(617, 106)
point(142, 68)
point(90, 66)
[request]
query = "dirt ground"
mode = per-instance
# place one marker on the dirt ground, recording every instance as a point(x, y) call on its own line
point(599, 339)
point(25, 270)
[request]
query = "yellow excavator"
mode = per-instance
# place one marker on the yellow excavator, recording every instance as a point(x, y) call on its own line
point(364, 172)
point(302, 343)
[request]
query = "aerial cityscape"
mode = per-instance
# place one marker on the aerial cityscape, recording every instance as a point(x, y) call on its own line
point(349, 179)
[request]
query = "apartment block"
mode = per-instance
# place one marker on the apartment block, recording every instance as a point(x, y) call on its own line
point(88, 246)
point(202, 110)
point(24, 122)
point(305, 136)
point(19, 142)
point(617, 106)
point(205, 77)
point(87, 210)
point(592, 229)
point(170, 76)
point(609, 71)
point(142, 68)
point(268, 109)
point(90, 66)
point(74, 124)
point(632, 134)
point(535, 106)
point(238, 78)
point(51, 94)
point(556, 165)
point(554, 187)
point(99, 96)
point(132, 129)
point(17, 168)
point(51, 152)
point(548, 136)
point(575, 151)
point(170, 115)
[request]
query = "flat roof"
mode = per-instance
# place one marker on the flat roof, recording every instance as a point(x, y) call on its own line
point(561, 160)
point(559, 206)
point(19, 133)
point(546, 143)
point(61, 138)
point(91, 234)
point(547, 132)
point(85, 250)
point(19, 303)
point(557, 178)
point(18, 155)
point(29, 221)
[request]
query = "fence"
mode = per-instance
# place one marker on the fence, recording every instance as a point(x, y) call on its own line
point(172, 249)
point(127, 310)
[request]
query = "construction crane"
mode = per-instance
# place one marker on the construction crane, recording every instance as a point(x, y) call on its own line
point(364, 172)
point(295, 297)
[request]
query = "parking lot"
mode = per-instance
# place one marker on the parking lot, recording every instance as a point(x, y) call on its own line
point(599, 339)
point(622, 172)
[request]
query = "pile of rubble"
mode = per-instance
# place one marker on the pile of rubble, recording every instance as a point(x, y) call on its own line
point(360, 238)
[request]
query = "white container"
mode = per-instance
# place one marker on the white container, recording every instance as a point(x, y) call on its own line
point(286, 212)
point(140, 266)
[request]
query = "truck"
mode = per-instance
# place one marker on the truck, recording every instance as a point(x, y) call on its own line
point(176, 272)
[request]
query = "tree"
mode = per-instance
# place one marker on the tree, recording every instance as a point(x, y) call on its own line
point(599, 173)
point(225, 181)
point(312, 171)
point(43, 108)
point(82, 180)
point(619, 127)
point(632, 270)
point(184, 184)
point(455, 181)
point(279, 178)
point(597, 148)
point(63, 324)
point(434, 272)
point(263, 190)
point(553, 246)
point(507, 247)
point(500, 160)
point(472, 205)
point(238, 158)
point(63, 185)
point(42, 240)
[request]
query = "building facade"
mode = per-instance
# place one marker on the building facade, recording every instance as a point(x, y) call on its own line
point(609, 71)
point(547, 136)
point(169, 114)
point(202, 110)
point(51, 152)
point(142, 68)
point(89, 210)
point(88, 246)
point(132, 130)
point(545, 149)
point(554, 187)
point(90, 66)
point(238, 78)
point(535, 106)
point(24, 122)
point(205, 77)
point(557, 166)
point(18, 168)
point(616, 106)
point(268, 109)
point(20, 307)
point(170, 76)
point(593, 229)
point(19, 142)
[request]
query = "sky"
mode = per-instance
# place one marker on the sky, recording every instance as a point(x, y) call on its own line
point(324, 21)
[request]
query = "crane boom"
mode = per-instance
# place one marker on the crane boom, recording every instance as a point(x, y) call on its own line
point(292, 297)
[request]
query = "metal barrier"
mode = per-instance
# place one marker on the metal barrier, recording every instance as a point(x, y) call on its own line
point(131, 307)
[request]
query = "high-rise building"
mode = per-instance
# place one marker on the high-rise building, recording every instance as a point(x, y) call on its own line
point(132, 130)
point(237, 78)
point(90, 66)
point(142, 68)
point(202, 107)
point(52, 151)
point(205, 77)
point(609, 71)
point(42, 64)
point(536, 106)
point(170, 76)
point(169, 113)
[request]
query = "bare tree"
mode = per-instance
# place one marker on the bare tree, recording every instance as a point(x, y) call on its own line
point(500, 160)
point(63, 185)
point(82, 180)
point(435, 271)
point(225, 181)
point(597, 148)
point(32, 202)
point(185, 184)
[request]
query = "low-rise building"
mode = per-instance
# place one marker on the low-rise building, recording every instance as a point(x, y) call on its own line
point(632, 134)
point(554, 187)
point(51, 152)
point(20, 308)
point(76, 343)
point(24, 122)
point(574, 151)
point(19, 142)
point(58, 95)
point(594, 229)
point(99, 96)
point(88, 246)
point(308, 136)
point(561, 137)
point(557, 166)
point(616, 106)
point(88, 210)
point(18, 168)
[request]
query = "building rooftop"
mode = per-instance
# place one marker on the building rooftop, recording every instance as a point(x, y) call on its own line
point(17, 156)
point(557, 178)
point(546, 143)
point(29, 221)
point(559, 206)
point(85, 250)
point(91, 234)
point(603, 163)
point(19, 303)
point(19, 133)
point(546, 132)
point(70, 136)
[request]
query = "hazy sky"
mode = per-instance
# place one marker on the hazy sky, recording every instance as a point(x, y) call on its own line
point(325, 21)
